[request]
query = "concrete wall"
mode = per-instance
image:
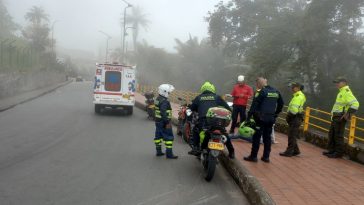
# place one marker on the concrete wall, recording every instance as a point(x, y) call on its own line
point(19, 82)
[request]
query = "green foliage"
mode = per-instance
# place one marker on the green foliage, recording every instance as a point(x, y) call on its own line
point(7, 26)
point(137, 19)
point(194, 63)
point(307, 41)
point(38, 29)
point(29, 53)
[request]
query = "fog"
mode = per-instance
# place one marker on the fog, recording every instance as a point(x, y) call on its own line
point(78, 22)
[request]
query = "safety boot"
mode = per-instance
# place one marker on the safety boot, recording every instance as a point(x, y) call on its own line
point(326, 153)
point(232, 155)
point(286, 154)
point(250, 159)
point(159, 151)
point(195, 151)
point(170, 154)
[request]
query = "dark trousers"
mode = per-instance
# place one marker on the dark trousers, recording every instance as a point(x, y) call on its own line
point(294, 123)
point(336, 135)
point(237, 110)
point(263, 129)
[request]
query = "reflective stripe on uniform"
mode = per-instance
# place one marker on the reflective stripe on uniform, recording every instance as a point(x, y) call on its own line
point(297, 102)
point(158, 142)
point(345, 100)
point(169, 144)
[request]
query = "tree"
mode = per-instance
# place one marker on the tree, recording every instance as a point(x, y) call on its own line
point(38, 30)
point(7, 26)
point(137, 20)
point(309, 41)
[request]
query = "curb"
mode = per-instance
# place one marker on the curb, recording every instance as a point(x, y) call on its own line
point(36, 95)
point(249, 185)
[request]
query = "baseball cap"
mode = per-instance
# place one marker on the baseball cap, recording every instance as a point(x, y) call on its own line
point(340, 79)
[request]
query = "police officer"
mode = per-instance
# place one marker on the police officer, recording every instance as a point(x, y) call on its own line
point(163, 115)
point(201, 104)
point(264, 109)
point(346, 104)
point(294, 119)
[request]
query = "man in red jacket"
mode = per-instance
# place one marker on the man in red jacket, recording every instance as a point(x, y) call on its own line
point(241, 94)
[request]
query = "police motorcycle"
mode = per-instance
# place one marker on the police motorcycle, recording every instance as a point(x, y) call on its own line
point(149, 105)
point(217, 120)
point(187, 119)
point(182, 116)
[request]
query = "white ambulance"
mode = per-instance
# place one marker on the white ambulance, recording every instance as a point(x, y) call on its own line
point(114, 87)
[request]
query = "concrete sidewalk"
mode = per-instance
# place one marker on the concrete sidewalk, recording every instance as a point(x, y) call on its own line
point(7, 103)
point(310, 178)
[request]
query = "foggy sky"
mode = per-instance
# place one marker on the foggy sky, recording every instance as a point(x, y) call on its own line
point(80, 20)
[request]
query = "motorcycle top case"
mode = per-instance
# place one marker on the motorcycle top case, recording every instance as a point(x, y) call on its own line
point(218, 117)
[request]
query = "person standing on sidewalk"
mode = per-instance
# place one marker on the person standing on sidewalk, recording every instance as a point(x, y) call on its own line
point(265, 109)
point(163, 116)
point(241, 94)
point(346, 105)
point(294, 119)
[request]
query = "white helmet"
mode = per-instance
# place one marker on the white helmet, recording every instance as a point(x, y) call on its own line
point(241, 78)
point(165, 89)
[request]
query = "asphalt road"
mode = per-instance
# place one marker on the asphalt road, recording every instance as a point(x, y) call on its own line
point(55, 150)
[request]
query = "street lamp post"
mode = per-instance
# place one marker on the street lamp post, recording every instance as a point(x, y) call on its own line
point(52, 42)
point(124, 29)
point(108, 37)
point(126, 34)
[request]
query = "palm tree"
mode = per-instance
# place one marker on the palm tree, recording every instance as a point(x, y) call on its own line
point(137, 20)
point(38, 30)
point(36, 15)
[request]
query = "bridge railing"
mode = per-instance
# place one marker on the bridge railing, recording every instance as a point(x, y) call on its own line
point(315, 119)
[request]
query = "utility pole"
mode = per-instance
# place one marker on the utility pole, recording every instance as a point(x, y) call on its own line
point(108, 37)
point(124, 29)
point(52, 42)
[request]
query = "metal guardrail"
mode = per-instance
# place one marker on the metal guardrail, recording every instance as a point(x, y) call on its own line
point(315, 119)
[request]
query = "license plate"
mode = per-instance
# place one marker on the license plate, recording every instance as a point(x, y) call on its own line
point(150, 106)
point(216, 145)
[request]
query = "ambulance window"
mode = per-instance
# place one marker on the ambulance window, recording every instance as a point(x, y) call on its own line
point(112, 81)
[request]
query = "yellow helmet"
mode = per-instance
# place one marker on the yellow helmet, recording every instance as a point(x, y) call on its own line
point(207, 86)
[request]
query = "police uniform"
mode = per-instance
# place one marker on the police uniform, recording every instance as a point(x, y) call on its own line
point(163, 115)
point(345, 105)
point(294, 119)
point(264, 109)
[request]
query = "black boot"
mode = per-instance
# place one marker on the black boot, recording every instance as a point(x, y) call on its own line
point(327, 153)
point(170, 154)
point(159, 151)
point(286, 154)
point(195, 151)
point(251, 159)
point(232, 155)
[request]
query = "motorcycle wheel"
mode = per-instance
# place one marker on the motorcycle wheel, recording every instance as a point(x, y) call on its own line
point(211, 167)
point(186, 134)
